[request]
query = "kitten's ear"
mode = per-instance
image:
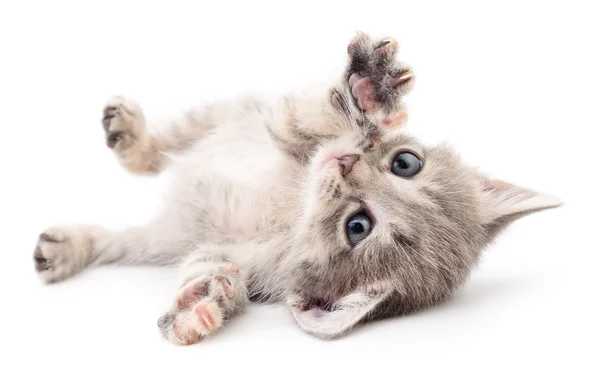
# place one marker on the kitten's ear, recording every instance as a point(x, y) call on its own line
point(345, 314)
point(505, 203)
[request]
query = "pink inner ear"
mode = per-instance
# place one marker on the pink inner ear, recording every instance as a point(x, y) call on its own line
point(505, 199)
point(496, 184)
point(507, 190)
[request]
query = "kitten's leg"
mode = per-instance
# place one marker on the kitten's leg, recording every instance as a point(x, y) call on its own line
point(368, 99)
point(142, 152)
point(212, 292)
point(63, 251)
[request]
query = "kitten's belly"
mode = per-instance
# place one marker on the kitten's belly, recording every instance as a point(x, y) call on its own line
point(241, 179)
point(242, 152)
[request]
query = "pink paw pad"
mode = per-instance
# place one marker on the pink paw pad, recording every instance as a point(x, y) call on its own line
point(395, 120)
point(205, 317)
point(192, 294)
point(376, 80)
point(363, 92)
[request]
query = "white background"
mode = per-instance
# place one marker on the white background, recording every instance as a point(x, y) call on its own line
point(513, 86)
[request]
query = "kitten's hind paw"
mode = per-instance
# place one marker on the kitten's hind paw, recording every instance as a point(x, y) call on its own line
point(62, 251)
point(202, 306)
point(189, 326)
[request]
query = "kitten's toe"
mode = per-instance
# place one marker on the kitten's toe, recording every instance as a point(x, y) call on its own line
point(403, 78)
point(219, 287)
point(358, 43)
point(386, 49)
point(209, 315)
point(225, 284)
point(109, 113)
point(41, 263)
point(44, 255)
point(52, 235)
point(184, 336)
point(192, 293)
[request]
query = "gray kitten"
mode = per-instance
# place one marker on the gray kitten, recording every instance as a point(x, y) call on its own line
point(316, 200)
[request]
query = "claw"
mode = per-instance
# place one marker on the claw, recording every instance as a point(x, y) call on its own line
point(402, 79)
point(226, 284)
point(185, 337)
point(385, 47)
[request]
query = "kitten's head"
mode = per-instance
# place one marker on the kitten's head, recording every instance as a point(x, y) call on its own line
point(391, 227)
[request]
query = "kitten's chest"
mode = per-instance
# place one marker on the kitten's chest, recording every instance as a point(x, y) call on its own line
point(247, 184)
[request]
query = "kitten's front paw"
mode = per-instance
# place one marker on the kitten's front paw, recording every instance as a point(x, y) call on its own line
point(376, 80)
point(201, 307)
point(61, 252)
point(123, 122)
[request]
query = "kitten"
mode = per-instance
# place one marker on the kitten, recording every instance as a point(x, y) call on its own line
point(316, 200)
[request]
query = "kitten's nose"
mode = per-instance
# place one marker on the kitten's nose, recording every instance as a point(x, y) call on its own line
point(347, 162)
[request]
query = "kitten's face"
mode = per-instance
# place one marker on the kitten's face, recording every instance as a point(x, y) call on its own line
point(405, 220)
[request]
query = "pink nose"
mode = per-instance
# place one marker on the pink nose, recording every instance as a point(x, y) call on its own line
point(347, 162)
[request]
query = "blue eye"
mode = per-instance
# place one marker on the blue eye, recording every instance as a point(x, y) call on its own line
point(358, 228)
point(406, 164)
